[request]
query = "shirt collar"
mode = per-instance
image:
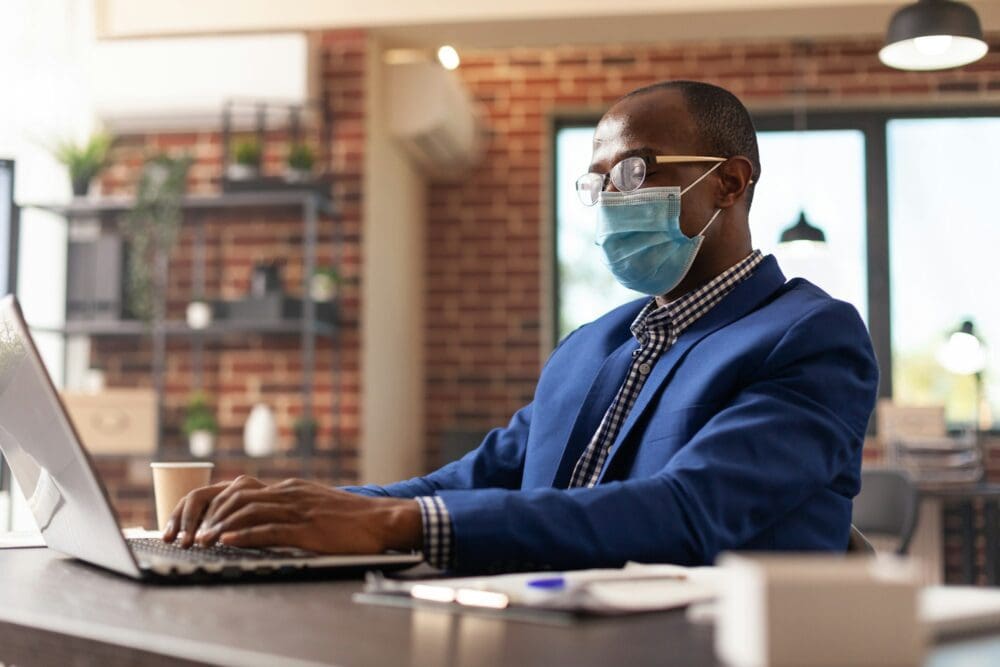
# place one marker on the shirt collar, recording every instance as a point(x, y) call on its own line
point(684, 311)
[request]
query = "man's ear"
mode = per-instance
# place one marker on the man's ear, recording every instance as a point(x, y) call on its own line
point(734, 179)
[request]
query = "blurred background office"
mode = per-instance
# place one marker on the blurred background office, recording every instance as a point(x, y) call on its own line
point(332, 241)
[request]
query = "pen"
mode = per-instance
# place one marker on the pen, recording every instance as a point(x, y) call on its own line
point(561, 581)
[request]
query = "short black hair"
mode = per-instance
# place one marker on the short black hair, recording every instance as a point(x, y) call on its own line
point(724, 124)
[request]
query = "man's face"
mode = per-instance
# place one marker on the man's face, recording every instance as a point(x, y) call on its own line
point(650, 124)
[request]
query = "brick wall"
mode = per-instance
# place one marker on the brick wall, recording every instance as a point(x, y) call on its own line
point(486, 234)
point(241, 370)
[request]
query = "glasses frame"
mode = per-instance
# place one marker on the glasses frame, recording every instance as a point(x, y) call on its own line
point(655, 159)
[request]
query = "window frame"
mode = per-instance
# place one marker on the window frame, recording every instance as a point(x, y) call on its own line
point(872, 122)
point(11, 278)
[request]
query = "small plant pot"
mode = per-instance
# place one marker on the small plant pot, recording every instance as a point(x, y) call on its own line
point(81, 187)
point(293, 175)
point(322, 289)
point(242, 172)
point(201, 443)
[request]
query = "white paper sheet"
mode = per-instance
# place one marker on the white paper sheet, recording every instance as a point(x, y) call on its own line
point(21, 539)
point(634, 588)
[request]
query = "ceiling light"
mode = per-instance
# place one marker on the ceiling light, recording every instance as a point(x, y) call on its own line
point(448, 57)
point(933, 34)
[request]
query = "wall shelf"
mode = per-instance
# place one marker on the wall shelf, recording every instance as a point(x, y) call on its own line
point(311, 201)
point(84, 208)
point(179, 329)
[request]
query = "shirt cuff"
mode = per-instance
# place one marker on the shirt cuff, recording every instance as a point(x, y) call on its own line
point(437, 531)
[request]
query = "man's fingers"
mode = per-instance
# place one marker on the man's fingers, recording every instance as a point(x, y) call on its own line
point(234, 502)
point(240, 484)
point(194, 508)
point(173, 527)
point(246, 516)
point(266, 535)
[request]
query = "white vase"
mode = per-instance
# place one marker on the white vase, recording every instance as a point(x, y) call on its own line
point(242, 172)
point(260, 434)
point(201, 443)
point(293, 175)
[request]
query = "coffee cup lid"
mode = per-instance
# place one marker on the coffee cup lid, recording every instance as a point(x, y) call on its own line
point(182, 464)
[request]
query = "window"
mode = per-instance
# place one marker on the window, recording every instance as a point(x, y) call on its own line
point(792, 167)
point(903, 199)
point(796, 169)
point(944, 238)
point(586, 289)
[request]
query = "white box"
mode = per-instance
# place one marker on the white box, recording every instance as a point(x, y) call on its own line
point(115, 421)
point(818, 611)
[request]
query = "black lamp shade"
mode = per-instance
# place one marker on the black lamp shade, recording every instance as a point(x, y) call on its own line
point(968, 328)
point(803, 231)
point(932, 35)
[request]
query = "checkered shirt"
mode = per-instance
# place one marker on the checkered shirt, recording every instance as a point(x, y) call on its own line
point(656, 329)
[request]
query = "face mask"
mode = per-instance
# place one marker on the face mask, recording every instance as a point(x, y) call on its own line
point(640, 234)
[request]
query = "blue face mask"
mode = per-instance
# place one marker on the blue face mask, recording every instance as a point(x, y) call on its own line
point(640, 234)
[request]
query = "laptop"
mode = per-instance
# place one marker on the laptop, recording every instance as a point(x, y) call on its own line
point(70, 504)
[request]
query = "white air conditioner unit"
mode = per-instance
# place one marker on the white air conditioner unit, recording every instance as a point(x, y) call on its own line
point(433, 116)
point(182, 83)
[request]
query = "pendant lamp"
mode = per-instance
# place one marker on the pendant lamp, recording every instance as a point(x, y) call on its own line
point(812, 237)
point(803, 231)
point(932, 35)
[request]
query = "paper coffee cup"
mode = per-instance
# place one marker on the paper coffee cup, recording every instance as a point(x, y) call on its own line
point(173, 481)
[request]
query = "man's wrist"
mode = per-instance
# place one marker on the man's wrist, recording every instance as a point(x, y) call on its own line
point(405, 526)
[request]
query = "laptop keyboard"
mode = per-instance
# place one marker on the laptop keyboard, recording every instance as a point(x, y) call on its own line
point(216, 553)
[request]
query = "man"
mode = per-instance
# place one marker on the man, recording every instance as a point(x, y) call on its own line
point(727, 412)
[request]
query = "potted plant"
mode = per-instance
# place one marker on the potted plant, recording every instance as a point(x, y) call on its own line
point(305, 434)
point(324, 284)
point(301, 159)
point(151, 229)
point(247, 155)
point(84, 161)
point(200, 425)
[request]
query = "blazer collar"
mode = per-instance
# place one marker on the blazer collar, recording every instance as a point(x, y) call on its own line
point(766, 279)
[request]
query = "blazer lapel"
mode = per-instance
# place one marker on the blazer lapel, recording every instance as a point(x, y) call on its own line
point(602, 391)
point(745, 297)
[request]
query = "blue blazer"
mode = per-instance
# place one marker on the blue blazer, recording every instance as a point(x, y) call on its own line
point(746, 435)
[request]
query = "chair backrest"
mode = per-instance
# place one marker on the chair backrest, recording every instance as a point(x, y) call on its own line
point(857, 543)
point(888, 505)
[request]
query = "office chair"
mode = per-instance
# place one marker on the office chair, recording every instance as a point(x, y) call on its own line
point(857, 543)
point(888, 505)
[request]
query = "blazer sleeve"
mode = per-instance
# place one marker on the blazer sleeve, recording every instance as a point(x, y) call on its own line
point(783, 438)
point(497, 462)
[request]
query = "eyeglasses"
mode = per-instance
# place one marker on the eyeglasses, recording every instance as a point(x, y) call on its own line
point(628, 175)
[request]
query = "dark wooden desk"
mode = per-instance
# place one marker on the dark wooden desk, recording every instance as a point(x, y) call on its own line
point(54, 611)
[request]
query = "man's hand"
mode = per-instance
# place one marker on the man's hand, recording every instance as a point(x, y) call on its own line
point(294, 513)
